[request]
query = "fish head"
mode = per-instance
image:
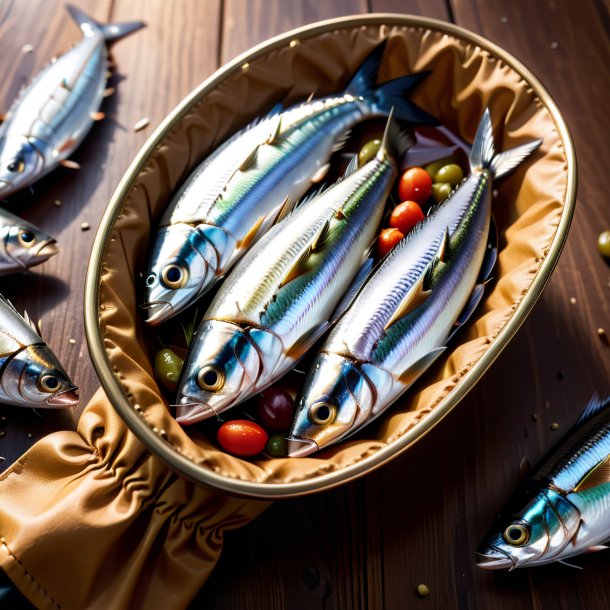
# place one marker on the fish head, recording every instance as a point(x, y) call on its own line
point(34, 378)
point(182, 267)
point(21, 164)
point(27, 245)
point(538, 534)
point(337, 396)
point(222, 369)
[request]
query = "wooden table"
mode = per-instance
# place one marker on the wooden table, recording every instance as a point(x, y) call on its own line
point(417, 520)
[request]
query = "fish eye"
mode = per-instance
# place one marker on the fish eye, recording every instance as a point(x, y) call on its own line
point(516, 534)
point(174, 276)
point(322, 413)
point(48, 383)
point(26, 238)
point(150, 280)
point(210, 378)
point(17, 166)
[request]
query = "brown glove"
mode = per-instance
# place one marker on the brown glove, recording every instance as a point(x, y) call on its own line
point(90, 519)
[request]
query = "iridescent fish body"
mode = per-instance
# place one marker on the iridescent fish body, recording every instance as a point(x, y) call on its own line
point(22, 245)
point(254, 180)
point(53, 114)
point(563, 508)
point(281, 296)
point(30, 374)
point(406, 312)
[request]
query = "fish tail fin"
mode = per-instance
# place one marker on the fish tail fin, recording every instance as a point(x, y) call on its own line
point(393, 94)
point(483, 153)
point(111, 31)
point(395, 143)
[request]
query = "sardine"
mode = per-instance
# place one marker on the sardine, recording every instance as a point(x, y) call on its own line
point(563, 508)
point(22, 245)
point(53, 114)
point(404, 315)
point(280, 298)
point(254, 180)
point(30, 373)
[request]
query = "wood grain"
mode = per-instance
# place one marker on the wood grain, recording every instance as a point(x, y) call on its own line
point(366, 545)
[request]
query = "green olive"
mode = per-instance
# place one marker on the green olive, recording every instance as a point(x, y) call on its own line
point(368, 151)
point(440, 191)
point(167, 367)
point(451, 174)
point(603, 244)
point(432, 168)
point(276, 446)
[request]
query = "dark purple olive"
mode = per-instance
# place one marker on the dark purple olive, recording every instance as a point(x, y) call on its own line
point(275, 408)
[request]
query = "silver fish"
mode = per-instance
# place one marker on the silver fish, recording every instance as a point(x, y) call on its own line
point(563, 508)
point(254, 180)
point(30, 374)
point(404, 315)
point(22, 245)
point(279, 299)
point(53, 114)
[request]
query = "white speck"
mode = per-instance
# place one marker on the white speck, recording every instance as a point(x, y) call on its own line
point(29, 435)
point(554, 45)
point(72, 341)
point(503, 19)
point(573, 300)
point(84, 226)
point(57, 203)
point(27, 48)
point(141, 124)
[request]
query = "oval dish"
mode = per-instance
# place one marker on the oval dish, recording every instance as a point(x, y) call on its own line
point(533, 210)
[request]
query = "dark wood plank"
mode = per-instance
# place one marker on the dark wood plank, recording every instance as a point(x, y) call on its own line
point(437, 9)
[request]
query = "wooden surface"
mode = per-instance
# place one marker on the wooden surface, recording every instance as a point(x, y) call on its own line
point(417, 520)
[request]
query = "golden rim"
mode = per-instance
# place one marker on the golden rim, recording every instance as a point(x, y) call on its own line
point(111, 383)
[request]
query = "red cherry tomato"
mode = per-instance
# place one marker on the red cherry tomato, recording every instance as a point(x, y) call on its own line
point(405, 216)
point(387, 239)
point(242, 437)
point(415, 185)
point(275, 408)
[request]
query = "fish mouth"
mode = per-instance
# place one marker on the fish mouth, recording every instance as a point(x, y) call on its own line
point(46, 250)
point(4, 186)
point(301, 447)
point(65, 399)
point(495, 559)
point(187, 415)
point(156, 311)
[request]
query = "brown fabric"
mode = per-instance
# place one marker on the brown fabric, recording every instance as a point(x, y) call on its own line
point(90, 519)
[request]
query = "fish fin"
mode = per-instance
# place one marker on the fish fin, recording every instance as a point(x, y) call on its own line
point(110, 31)
point(2, 118)
point(97, 116)
point(297, 268)
point(394, 143)
point(597, 547)
point(320, 174)
point(473, 302)
point(351, 167)
point(304, 343)
point(341, 140)
point(415, 296)
point(598, 475)
point(108, 91)
point(595, 405)
point(67, 145)
point(396, 93)
point(30, 322)
point(443, 249)
point(363, 81)
point(282, 211)
point(250, 236)
point(491, 254)
point(275, 131)
point(483, 153)
point(408, 376)
point(70, 164)
point(352, 292)
point(312, 195)
point(321, 236)
point(249, 160)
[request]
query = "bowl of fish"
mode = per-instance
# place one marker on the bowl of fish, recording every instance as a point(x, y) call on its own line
point(322, 249)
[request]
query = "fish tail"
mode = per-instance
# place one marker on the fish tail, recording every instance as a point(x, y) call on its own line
point(111, 31)
point(483, 155)
point(393, 94)
point(395, 143)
